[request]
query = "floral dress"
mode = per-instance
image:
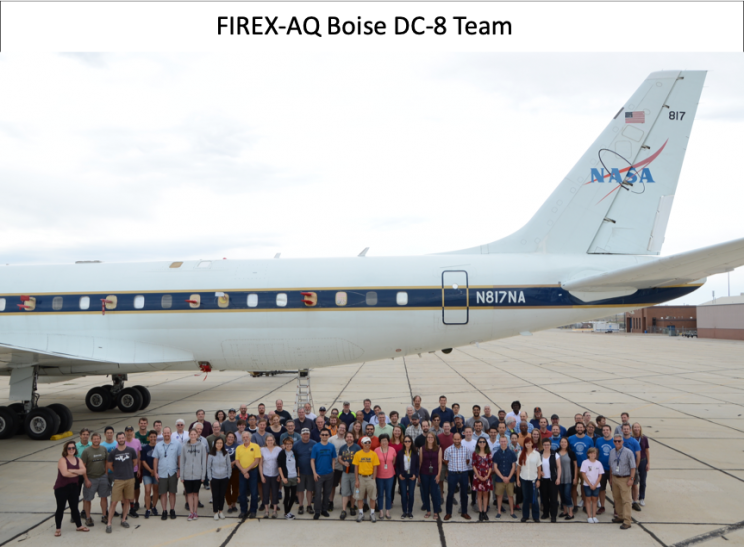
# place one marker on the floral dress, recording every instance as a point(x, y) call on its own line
point(482, 464)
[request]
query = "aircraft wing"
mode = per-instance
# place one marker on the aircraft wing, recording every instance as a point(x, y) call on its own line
point(677, 269)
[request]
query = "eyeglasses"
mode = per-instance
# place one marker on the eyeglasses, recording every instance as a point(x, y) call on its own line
point(616, 442)
point(324, 435)
point(481, 442)
point(71, 448)
point(406, 441)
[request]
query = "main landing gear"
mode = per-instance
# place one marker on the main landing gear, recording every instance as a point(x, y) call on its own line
point(128, 399)
point(38, 422)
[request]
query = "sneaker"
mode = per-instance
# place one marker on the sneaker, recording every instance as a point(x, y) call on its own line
point(136, 506)
point(124, 524)
point(581, 502)
point(353, 511)
point(317, 516)
point(514, 516)
point(172, 513)
point(211, 500)
point(164, 516)
point(590, 520)
point(116, 513)
point(330, 506)
point(108, 529)
point(243, 515)
point(373, 517)
point(199, 505)
point(195, 517)
point(289, 516)
point(601, 510)
point(154, 512)
point(89, 522)
point(222, 515)
point(498, 515)
point(186, 506)
point(403, 516)
point(104, 519)
point(133, 513)
point(365, 507)
point(625, 526)
point(260, 507)
point(147, 513)
point(636, 506)
point(410, 515)
point(251, 515)
point(485, 516)
point(191, 517)
point(206, 486)
point(301, 510)
point(310, 510)
point(325, 513)
point(216, 516)
point(643, 503)
point(342, 516)
point(360, 516)
point(596, 520)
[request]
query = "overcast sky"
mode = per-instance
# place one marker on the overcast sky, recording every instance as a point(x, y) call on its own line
point(170, 157)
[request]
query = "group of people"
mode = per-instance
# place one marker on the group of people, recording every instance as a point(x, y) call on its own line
point(251, 462)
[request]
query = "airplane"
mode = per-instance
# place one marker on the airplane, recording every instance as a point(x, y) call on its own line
point(591, 249)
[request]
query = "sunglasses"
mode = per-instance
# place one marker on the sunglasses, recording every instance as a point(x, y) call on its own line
point(71, 448)
point(406, 441)
point(616, 442)
point(481, 442)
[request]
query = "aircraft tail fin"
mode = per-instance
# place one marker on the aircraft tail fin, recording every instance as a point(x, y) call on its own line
point(618, 197)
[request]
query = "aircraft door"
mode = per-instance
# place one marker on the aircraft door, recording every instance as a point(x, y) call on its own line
point(455, 297)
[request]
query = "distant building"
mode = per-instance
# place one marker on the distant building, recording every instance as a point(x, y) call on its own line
point(722, 318)
point(657, 319)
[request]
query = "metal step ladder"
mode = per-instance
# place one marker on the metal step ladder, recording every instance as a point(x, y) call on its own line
point(304, 395)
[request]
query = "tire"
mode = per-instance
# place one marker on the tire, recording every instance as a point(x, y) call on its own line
point(98, 399)
point(41, 424)
point(8, 420)
point(20, 412)
point(129, 400)
point(110, 389)
point(146, 397)
point(65, 417)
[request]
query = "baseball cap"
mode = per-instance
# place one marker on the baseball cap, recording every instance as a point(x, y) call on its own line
point(232, 410)
point(366, 440)
point(555, 417)
point(414, 417)
point(129, 428)
point(321, 408)
point(305, 430)
point(538, 409)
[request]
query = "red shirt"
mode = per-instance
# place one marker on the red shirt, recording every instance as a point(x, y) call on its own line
point(375, 442)
point(445, 441)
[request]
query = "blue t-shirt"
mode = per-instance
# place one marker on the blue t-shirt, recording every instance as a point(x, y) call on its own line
point(632, 445)
point(563, 430)
point(303, 453)
point(323, 456)
point(108, 446)
point(580, 446)
point(445, 415)
point(604, 447)
point(147, 456)
point(555, 443)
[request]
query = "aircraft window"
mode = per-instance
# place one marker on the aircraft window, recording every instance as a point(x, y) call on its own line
point(2, 304)
point(84, 302)
point(205, 264)
point(281, 299)
point(176, 264)
point(57, 303)
point(252, 300)
point(341, 299)
point(223, 301)
point(139, 302)
point(401, 298)
point(167, 301)
point(371, 298)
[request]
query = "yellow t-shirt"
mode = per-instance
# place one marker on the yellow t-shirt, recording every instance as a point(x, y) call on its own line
point(366, 462)
point(246, 456)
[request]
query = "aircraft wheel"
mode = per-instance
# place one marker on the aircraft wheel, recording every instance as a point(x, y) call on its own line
point(146, 397)
point(65, 416)
point(41, 424)
point(7, 422)
point(110, 389)
point(98, 399)
point(20, 411)
point(129, 400)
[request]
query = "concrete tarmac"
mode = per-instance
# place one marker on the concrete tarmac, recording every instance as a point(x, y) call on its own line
point(687, 393)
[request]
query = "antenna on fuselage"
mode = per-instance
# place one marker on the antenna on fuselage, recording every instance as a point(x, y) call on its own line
point(277, 255)
point(364, 252)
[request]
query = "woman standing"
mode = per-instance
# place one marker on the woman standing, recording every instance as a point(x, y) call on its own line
point(529, 480)
point(550, 479)
point(396, 443)
point(69, 471)
point(482, 470)
point(193, 471)
point(288, 474)
point(645, 463)
point(536, 438)
point(430, 457)
point(356, 430)
point(219, 471)
point(268, 467)
point(220, 416)
point(406, 468)
point(568, 476)
point(385, 475)
point(276, 428)
point(233, 485)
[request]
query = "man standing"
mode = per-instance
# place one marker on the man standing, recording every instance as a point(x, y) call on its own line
point(347, 416)
point(122, 461)
point(261, 413)
point(555, 438)
point(142, 434)
point(478, 433)
point(622, 475)
point(365, 464)
point(501, 428)
point(338, 440)
point(348, 474)
point(302, 421)
point(80, 448)
point(284, 416)
point(135, 445)
point(635, 447)
point(477, 418)
point(555, 420)
point(394, 416)
point(445, 414)
point(306, 481)
point(243, 413)
point(96, 482)
point(436, 427)
point(604, 445)
point(407, 421)
point(259, 437)
point(322, 458)
point(370, 433)
point(578, 419)
point(147, 463)
point(206, 426)
point(492, 420)
point(504, 475)
point(421, 439)
point(166, 460)
point(422, 413)
point(470, 443)
point(445, 441)
point(216, 434)
point(493, 439)
point(247, 457)
point(290, 425)
point(157, 425)
point(516, 406)
point(458, 459)
point(309, 412)
point(545, 433)
point(320, 425)
point(231, 424)
point(382, 427)
point(414, 430)
point(180, 436)
point(580, 443)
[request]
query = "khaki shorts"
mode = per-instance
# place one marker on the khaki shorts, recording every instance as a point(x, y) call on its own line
point(500, 487)
point(122, 490)
point(367, 488)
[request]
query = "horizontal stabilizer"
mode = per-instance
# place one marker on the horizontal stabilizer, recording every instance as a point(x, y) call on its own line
point(677, 269)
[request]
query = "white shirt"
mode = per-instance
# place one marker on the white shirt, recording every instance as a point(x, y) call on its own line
point(291, 465)
point(311, 416)
point(516, 416)
point(528, 471)
point(546, 468)
point(495, 445)
point(471, 445)
point(182, 438)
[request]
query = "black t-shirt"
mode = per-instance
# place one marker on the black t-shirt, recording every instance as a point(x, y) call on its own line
point(123, 463)
point(571, 431)
point(283, 416)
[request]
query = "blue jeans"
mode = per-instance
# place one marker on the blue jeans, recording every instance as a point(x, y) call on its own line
point(565, 491)
point(529, 495)
point(454, 479)
point(429, 487)
point(252, 483)
point(407, 488)
point(642, 474)
point(384, 493)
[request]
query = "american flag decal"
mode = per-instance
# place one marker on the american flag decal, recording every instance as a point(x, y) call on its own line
point(635, 117)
